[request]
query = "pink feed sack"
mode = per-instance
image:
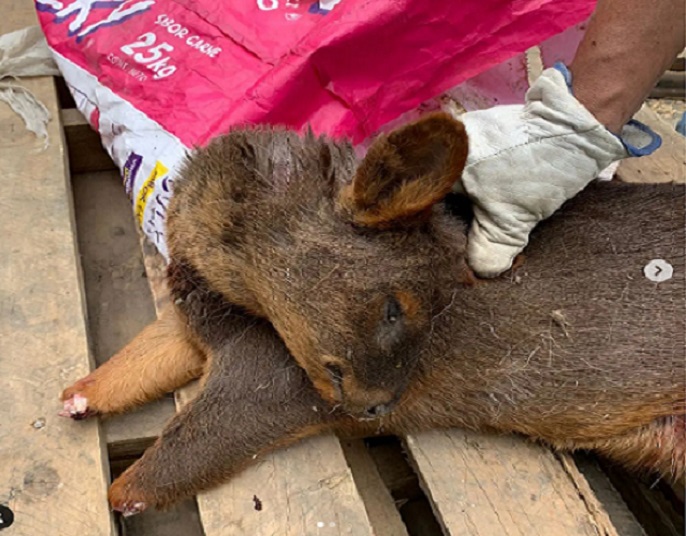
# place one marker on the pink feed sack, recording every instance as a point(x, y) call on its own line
point(158, 77)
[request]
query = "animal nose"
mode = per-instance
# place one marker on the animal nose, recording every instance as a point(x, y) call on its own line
point(379, 410)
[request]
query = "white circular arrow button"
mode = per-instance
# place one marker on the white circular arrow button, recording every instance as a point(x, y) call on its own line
point(658, 270)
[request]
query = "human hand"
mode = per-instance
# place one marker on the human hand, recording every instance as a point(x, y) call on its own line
point(526, 160)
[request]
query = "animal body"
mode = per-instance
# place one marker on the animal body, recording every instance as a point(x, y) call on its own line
point(343, 285)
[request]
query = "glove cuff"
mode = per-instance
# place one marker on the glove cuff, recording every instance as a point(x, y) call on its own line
point(637, 138)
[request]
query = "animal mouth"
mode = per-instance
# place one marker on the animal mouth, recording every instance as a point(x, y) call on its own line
point(374, 412)
point(377, 412)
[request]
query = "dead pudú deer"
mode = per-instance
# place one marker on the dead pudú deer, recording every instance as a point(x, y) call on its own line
point(287, 251)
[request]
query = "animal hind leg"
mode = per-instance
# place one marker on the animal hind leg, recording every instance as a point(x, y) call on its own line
point(158, 360)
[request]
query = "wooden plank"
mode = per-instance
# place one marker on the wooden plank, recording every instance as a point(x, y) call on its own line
point(53, 471)
point(622, 518)
point(305, 489)
point(675, 79)
point(672, 84)
point(119, 300)
point(668, 93)
point(595, 505)
point(667, 164)
point(86, 153)
point(483, 485)
point(679, 65)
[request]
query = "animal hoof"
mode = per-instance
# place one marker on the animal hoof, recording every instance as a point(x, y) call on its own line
point(129, 509)
point(126, 496)
point(76, 407)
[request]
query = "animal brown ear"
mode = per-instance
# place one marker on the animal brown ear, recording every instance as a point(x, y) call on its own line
point(405, 173)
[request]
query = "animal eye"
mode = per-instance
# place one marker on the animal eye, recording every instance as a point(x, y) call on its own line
point(393, 311)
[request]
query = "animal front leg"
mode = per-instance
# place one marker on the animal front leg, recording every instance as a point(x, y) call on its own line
point(160, 359)
point(248, 407)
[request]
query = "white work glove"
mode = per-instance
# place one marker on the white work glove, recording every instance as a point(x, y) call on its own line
point(526, 160)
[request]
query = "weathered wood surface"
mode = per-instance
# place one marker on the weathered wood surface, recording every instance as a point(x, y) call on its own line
point(618, 511)
point(484, 485)
point(306, 489)
point(597, 507)
point(53, 472)
point(117, 292)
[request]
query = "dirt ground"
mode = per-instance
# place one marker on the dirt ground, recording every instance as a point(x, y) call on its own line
point(668, 109)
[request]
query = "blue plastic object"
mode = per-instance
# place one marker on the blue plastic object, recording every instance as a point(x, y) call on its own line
point(681, 125)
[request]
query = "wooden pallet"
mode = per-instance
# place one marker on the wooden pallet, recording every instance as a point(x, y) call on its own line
point(71, 294)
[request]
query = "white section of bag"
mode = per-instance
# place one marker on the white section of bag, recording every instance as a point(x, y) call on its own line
point(146, 154)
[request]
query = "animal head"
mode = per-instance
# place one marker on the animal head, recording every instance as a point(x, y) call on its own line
point(346, 258)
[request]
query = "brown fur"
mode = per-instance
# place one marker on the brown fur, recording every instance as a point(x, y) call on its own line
point(574, 347)
point(221, 431)
point(406, 173)
point(272, 243)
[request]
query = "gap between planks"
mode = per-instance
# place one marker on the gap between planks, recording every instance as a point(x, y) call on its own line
point(118, 297)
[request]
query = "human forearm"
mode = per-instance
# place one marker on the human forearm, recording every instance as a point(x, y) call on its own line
point(627, 47)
